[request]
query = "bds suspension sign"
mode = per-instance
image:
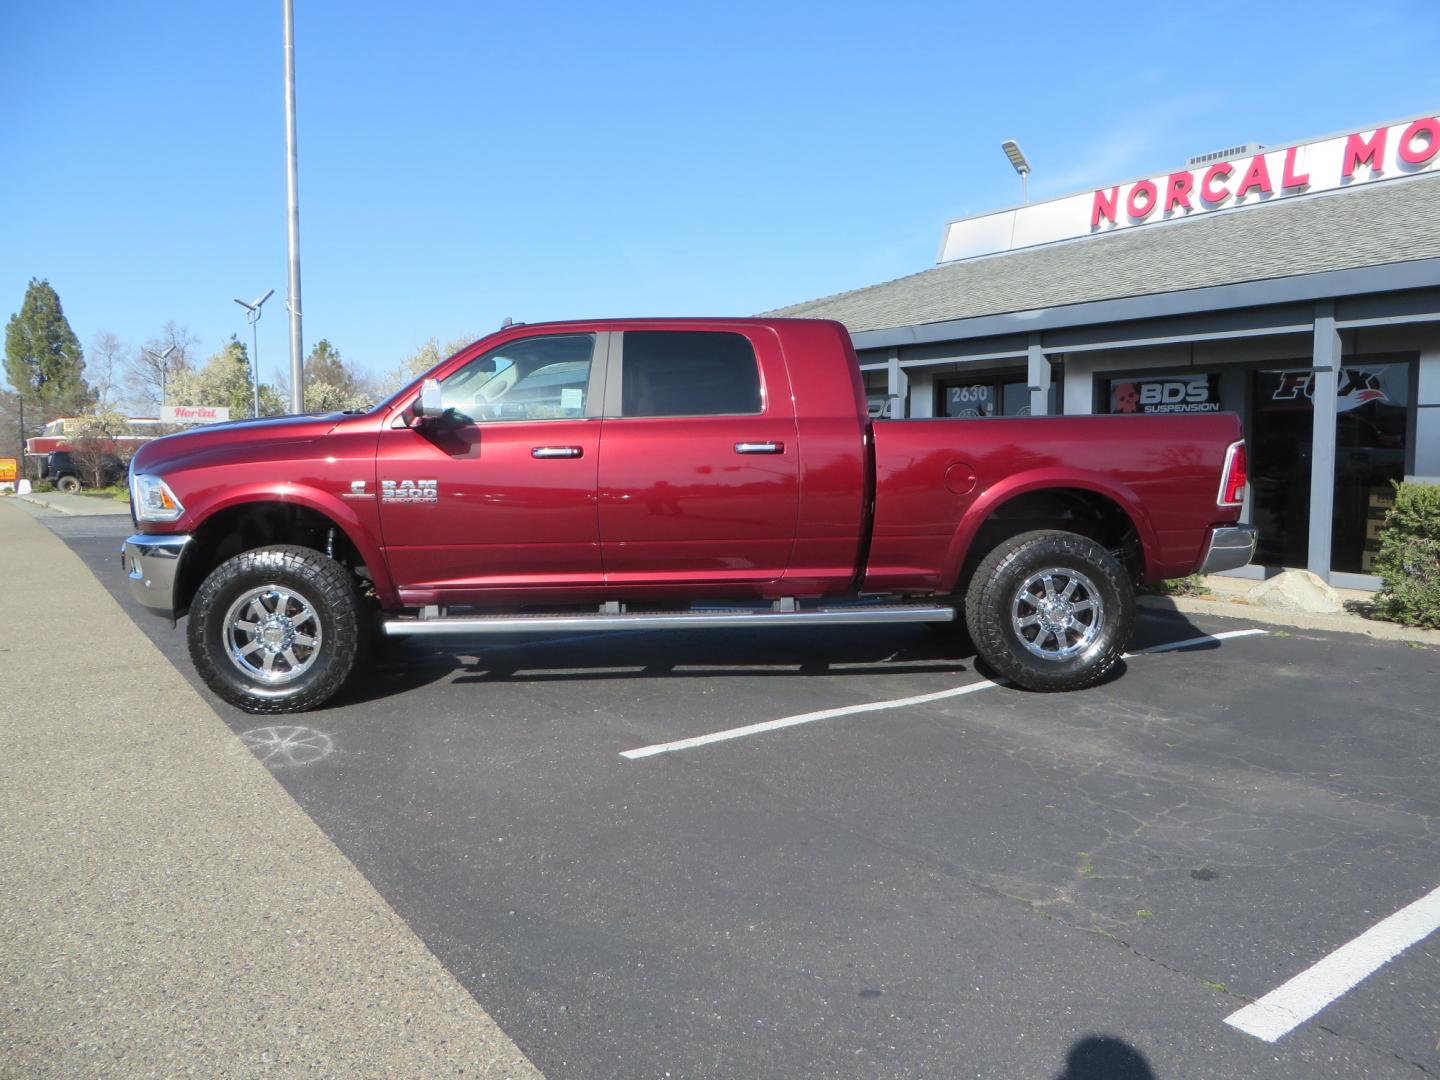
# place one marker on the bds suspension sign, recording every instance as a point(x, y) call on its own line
point(1358, 157)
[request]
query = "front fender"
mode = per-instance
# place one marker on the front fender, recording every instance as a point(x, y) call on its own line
point(1041, 480)
point(345, 515)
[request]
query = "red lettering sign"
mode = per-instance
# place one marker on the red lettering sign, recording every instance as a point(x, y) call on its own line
point(1208, 191)
point(1409, 152)
point(1360, 151)
point(1152, 197)
point(1290, 178)
point(1104, 207)
point(1256, 176)
point(1177, 191)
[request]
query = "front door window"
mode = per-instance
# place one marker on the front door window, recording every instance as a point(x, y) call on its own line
point(541, 378)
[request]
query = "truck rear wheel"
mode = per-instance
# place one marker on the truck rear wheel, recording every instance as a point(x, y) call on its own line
point(68, 484)
point(276, 629)
point(1050, 610)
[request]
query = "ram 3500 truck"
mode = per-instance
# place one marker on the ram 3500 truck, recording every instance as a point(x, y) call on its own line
point(667, 474)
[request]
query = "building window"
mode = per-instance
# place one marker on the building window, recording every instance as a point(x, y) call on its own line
point(980, 396)
point(1371, 441)
point(1188, 393)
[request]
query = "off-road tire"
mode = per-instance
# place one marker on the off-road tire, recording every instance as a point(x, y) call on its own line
point(70, 485)
point(990, 600)
point(327, 586)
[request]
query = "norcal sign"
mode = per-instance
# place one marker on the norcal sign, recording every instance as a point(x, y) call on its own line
point(1359, 157)
point(193, 414)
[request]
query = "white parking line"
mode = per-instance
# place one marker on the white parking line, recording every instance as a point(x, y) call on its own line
point(1205, 639)
point(876, 706)
point(1291, 1004)
point(805, 718)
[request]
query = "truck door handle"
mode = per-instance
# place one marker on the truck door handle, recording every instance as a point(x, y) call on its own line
point(759, 448)
point(556, 452)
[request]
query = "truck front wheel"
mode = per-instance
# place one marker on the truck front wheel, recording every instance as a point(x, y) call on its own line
point(1050, 610)
point(276, 629)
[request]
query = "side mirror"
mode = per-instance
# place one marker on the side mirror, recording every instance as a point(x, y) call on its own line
point(428, 404)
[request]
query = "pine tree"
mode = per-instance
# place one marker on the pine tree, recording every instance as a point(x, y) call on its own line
point(324, 365)
point(43, 359)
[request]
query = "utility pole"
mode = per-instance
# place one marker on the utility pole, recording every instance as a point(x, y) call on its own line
point(292, 198)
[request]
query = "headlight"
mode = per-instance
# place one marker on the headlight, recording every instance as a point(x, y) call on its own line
point(153, 500)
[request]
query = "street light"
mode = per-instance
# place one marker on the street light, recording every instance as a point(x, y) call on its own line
point(252, 316)
point(160, 359)
point(1021, 163)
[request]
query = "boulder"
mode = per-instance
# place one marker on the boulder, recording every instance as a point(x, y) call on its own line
point(1296, 590)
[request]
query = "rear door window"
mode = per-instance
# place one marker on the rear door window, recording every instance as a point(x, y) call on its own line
point(689, 373)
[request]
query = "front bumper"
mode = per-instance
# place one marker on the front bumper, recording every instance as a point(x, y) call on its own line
point(152, 563)
point(1230, 547)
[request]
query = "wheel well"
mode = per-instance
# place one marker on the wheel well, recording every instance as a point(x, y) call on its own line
point(1069, 509)
point(228, 532)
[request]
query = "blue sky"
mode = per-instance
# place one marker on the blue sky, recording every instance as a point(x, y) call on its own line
point(463, 162)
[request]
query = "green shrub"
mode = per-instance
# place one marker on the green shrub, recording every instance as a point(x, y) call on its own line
point(1194, 585)
point(1409, 560)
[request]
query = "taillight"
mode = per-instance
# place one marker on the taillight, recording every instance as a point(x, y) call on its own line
point(1234, 478)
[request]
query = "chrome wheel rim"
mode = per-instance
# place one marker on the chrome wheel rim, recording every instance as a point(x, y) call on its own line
point(1057, 613)
point(272, 634)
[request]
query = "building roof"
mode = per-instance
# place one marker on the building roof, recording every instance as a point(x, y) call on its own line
point(1392, 222)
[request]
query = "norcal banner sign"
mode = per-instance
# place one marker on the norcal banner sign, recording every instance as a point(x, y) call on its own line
point(193, 414)
point(1358, 157)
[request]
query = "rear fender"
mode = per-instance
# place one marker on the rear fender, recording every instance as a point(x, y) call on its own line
point(997, 495)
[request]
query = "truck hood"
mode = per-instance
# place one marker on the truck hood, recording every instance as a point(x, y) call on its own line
point(232, 435)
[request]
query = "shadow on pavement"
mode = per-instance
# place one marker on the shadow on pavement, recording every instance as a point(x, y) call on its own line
point(1104, 1057)
point(404, 664)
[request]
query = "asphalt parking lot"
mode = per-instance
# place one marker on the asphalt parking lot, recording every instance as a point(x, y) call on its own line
point(981, 883)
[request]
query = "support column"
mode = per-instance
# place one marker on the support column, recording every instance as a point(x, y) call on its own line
point(1038, 378)
point(897, 387)
point(1427, 412)
point(1325, 383)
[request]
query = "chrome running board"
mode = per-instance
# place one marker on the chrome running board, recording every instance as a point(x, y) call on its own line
point(670, 620)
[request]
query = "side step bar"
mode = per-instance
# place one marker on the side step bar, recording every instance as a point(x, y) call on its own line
point(671, 620)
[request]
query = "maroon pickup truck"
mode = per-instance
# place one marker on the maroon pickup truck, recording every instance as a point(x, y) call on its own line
point(667, 474)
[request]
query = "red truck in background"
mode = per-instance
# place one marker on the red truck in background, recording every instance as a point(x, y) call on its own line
point(670, 474)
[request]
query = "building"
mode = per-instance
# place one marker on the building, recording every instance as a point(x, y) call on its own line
point(1298, 286)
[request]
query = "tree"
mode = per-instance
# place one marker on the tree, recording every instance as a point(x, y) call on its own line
point(107, 361)
point(420, 361)
point(147, 377)
point(94, 450)
point(224, 380)
point(43, 359)
point(332, 385)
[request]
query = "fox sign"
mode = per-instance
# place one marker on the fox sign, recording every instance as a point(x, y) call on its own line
point(1357, 157)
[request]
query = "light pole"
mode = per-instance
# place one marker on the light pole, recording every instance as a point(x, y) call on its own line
point(292, 199)
point(1021, 163)
point(252, 316)
point(160, 363)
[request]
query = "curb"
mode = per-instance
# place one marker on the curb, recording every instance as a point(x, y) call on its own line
point(1344, 624)
point(48, 505)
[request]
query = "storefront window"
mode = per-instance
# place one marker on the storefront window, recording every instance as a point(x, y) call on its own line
point(969, 399)
point(1188, 393)
point(1371, 440)
point(988, 396)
